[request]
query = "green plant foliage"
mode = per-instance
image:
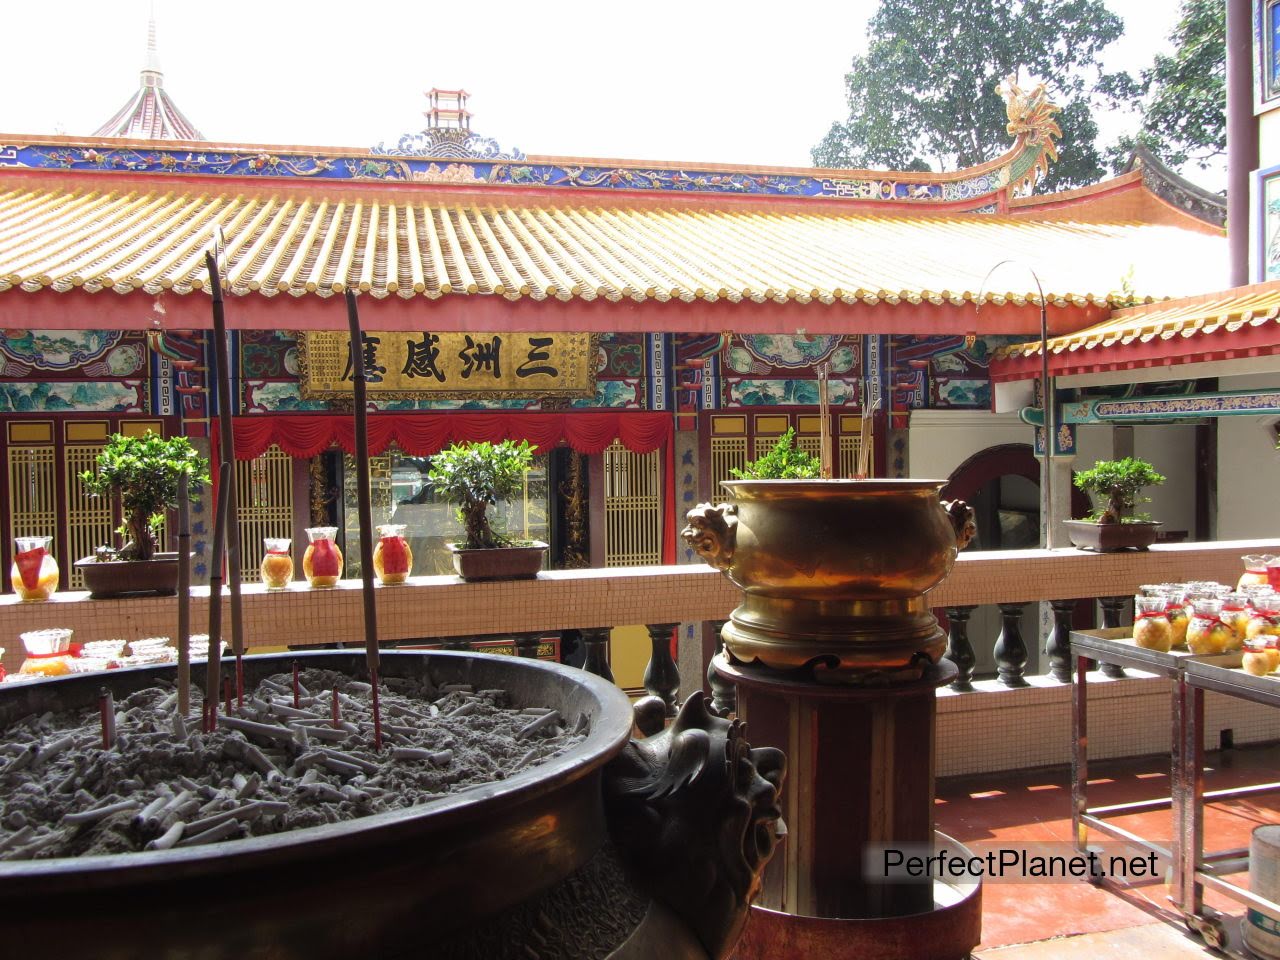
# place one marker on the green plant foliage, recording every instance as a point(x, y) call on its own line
point(475, 475)
point(1184, 117)
point(1120, 482)
point(923, 96)
point(143, 473)
point(784, 462)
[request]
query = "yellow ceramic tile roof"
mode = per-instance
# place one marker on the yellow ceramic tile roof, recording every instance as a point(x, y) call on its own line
point(1228, 311)
point(153, 237)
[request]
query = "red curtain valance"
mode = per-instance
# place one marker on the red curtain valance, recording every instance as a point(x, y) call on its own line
point(422, 434)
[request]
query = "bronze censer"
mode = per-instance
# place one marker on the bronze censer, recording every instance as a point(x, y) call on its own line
point(834, 572)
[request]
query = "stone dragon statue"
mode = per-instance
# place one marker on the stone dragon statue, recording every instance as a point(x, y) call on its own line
point(1030, 114)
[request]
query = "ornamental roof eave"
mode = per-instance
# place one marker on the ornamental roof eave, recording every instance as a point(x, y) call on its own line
point(126, 234)
point(1240, 322)
point(983, 188)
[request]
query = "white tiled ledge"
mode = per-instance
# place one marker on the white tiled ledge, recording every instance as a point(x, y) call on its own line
point(441, 606)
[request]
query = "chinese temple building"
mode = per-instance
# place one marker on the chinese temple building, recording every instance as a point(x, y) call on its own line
point(649, 326)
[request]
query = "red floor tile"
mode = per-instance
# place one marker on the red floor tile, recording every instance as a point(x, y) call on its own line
point(1036, 806)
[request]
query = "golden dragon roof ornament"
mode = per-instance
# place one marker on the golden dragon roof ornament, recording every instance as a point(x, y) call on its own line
point(1031, 120)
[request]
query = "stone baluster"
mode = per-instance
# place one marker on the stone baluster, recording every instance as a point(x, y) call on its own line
point(571, 651)
point(1058, 646)
point(662, 676)
point(959, 647)
point(1112, 610)
point(724, 695)
point(1011, 649)
point(527, 645)
point(596, 640)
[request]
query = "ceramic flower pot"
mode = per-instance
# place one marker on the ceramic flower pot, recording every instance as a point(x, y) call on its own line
point(499, 563)
point(121, 578)
point(1112, 537)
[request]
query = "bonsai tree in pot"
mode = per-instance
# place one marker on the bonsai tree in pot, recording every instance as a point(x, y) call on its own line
point(142, 474)
point(475, 476)
point(1114, 525)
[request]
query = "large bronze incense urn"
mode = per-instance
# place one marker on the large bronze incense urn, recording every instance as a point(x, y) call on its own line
point(619, 848)
point(834, 572)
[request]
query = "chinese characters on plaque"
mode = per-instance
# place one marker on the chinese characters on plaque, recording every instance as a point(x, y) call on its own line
point(401, 365)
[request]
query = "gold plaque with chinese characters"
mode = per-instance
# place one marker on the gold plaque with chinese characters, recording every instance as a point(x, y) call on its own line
point(425, 364)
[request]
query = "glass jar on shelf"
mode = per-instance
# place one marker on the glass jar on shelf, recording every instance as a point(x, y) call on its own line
point(277, 563)
point(392, 557)
point(1261, 656)
point(1151, 627)
point(322, 563)
point(1236, 612)
point(1273, 571)
point(1254, 591)
point(1265, 621)
point(1175, 609)
point(34, 575)
point(1206, 633)
point(48, 652)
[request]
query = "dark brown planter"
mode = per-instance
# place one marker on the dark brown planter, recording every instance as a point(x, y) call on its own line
point(499, 563)
point(122, 578)
point(1112, 537)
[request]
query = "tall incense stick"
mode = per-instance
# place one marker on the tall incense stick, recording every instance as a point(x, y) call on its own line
point(213, 666)
point(184, 596)
point(222, 376)
point(366, 510)
point(824, 418)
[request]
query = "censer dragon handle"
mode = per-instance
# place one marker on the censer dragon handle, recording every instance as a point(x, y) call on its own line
point(712, 532)
point(963, 521)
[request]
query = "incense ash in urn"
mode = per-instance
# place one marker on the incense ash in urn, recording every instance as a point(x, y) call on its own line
point(280, 763)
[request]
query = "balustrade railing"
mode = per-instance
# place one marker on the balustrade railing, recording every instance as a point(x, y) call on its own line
point(578, 604)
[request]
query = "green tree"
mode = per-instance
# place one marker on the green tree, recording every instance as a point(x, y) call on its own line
point(924, 95)
point(1184, 117)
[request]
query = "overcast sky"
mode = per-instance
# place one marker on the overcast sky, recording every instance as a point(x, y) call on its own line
point(747, 82)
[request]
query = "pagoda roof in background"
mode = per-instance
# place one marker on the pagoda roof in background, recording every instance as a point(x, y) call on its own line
point(150, 114)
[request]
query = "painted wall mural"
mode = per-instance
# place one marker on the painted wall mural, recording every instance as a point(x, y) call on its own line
point(943, 372)
point(125, 396)
point(60, 351)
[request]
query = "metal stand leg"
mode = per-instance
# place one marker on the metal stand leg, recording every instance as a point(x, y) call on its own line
point(1080, 754)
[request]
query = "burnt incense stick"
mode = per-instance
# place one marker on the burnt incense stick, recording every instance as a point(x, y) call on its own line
point(824, 419)
point(184, 596)
point(296, 692)
point(214, 666)
point(221, 375)
point(366, 511)
point(107, 710)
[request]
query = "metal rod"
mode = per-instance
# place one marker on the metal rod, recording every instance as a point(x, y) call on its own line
point(184, 596)
point(221, 374)
point(366, 510)
point(1046, 397)
point(214, 665)
point(1050, 428)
